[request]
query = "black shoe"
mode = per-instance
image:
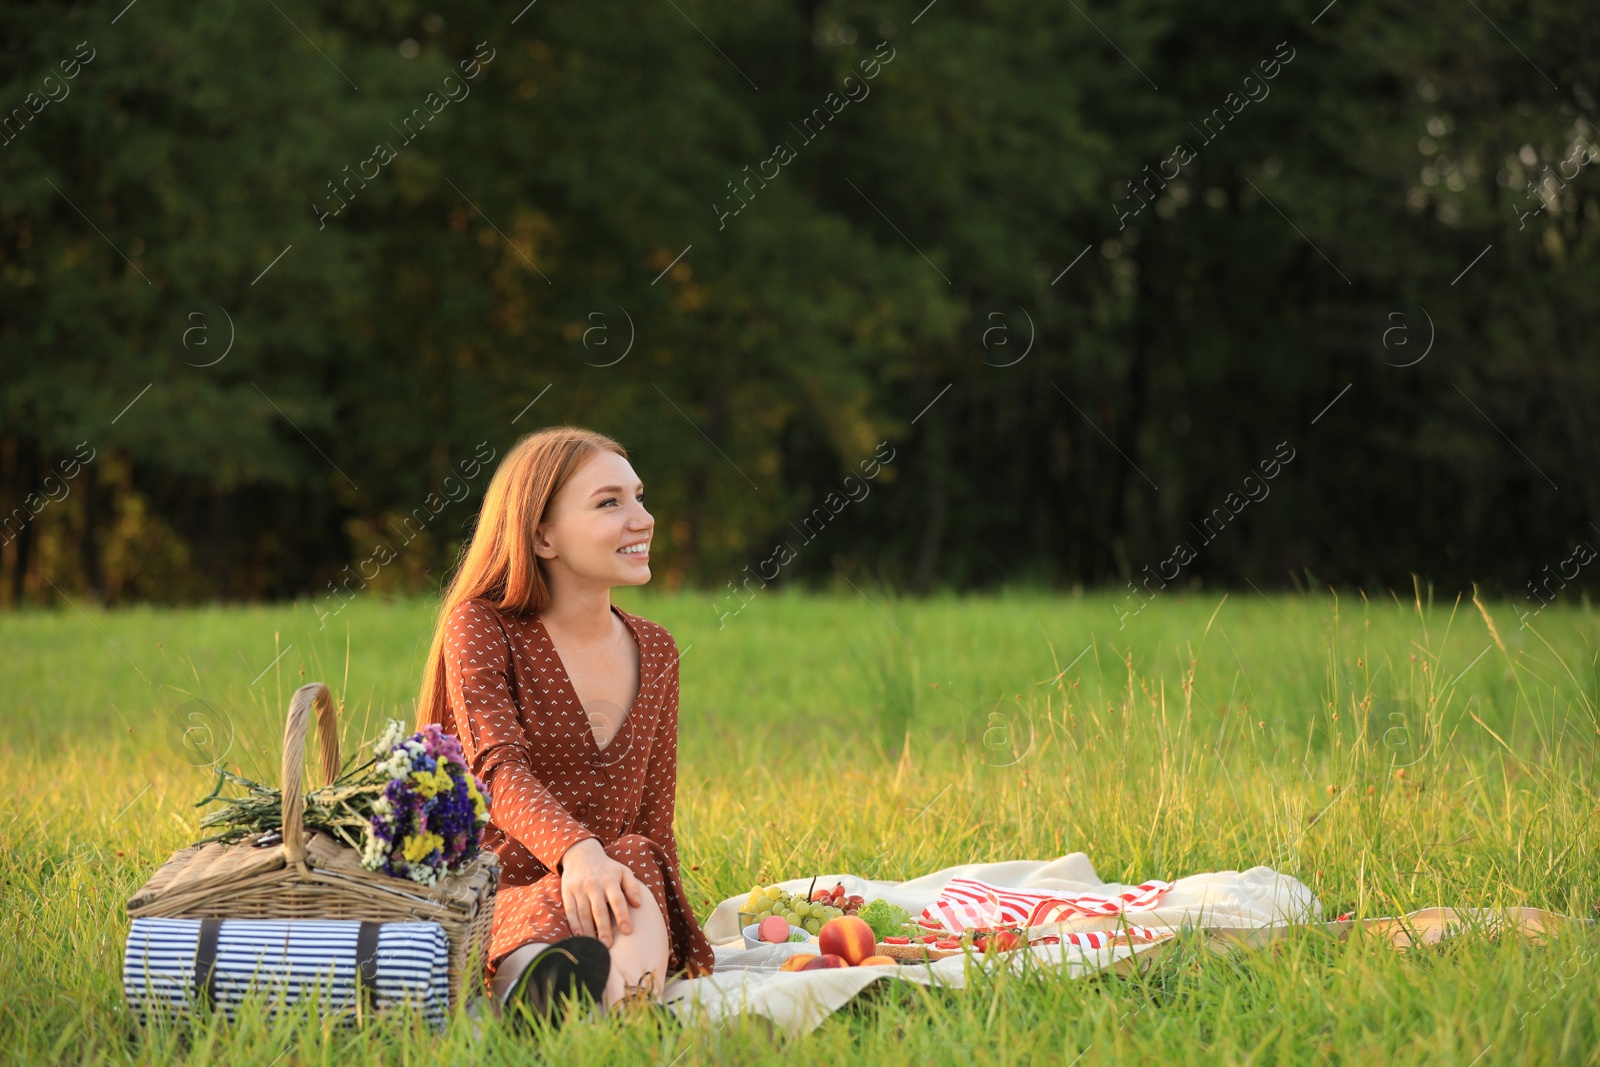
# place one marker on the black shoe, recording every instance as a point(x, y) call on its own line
point(576, 966)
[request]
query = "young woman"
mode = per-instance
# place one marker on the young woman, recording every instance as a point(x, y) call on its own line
point(567, 707)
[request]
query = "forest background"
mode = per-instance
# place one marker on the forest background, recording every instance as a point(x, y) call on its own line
point(275, 279)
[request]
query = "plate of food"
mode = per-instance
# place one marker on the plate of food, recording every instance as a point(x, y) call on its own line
point(936, 945)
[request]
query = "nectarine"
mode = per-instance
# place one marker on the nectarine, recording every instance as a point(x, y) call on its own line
point(823, 962)
point(797, 962)
point(848, 937)
point(878, 961)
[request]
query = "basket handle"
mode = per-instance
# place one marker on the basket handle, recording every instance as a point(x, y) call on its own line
point(294, 760)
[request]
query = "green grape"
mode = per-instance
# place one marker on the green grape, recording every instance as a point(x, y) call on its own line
point(813, 925)
point(802, 909)
point(773, 892)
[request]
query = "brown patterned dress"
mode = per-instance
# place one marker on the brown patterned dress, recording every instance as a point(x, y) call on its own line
point(525, 734)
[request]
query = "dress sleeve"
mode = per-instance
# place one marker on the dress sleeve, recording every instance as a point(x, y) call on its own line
point(477, 657)
point(659, 796)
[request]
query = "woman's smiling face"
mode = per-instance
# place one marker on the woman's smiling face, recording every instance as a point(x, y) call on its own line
point(596, 527)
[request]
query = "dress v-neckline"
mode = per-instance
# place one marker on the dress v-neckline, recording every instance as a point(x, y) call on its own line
point(566, 680)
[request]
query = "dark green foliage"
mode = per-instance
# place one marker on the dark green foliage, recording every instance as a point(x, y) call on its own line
point(903, 257)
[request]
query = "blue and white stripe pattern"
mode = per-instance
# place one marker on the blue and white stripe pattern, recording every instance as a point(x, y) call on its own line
point(291, 958)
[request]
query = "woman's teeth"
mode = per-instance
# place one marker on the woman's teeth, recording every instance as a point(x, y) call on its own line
point(636, 550)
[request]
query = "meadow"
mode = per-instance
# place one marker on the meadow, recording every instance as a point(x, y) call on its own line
point(1392, 751)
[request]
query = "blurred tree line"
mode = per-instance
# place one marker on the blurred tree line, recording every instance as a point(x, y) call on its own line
point(274, 279)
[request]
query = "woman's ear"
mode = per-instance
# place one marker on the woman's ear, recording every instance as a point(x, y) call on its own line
point(541, 542)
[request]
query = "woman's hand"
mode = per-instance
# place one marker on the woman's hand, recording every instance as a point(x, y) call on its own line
point(597, 890)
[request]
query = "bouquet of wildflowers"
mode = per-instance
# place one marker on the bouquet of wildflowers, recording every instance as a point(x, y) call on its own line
point(417, 806)
point(432, 809)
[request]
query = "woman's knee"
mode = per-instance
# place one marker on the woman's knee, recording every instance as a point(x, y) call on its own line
point(637, 844)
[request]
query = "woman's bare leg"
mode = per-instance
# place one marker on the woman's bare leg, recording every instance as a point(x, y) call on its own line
point(634, 956)
point(641, 955)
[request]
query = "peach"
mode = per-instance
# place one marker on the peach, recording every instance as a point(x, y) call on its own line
point(823, 962)
point(797, 962)
point(774, 929)
point(848, 937)
point(878, 961)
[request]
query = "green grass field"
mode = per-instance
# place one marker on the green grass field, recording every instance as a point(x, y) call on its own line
point(1393, 753)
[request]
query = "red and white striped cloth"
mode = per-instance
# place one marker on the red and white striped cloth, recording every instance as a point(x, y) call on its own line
point(968, 904)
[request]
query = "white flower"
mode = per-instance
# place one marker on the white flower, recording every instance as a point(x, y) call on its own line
point(372, 855)
point(393, 732)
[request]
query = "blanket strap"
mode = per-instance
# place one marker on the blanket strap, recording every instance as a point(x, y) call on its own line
point(367, 962)
point(205, 962)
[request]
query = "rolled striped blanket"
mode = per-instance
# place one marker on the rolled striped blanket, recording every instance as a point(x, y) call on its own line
point(175, 963)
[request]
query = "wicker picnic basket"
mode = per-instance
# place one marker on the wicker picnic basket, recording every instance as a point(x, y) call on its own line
point(313, 875)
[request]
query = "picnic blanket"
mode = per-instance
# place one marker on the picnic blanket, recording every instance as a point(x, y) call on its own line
point(1101, 926)
point(173, 963)
point(1065, 893)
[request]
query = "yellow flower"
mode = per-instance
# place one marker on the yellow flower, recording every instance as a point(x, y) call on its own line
point(421, 845)
point(428, 784)
point(480, 808)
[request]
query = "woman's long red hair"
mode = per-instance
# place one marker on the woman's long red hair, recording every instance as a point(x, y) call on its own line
point(499, 563)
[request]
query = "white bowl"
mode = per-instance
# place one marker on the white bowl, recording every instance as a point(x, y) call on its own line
point(752, 940)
